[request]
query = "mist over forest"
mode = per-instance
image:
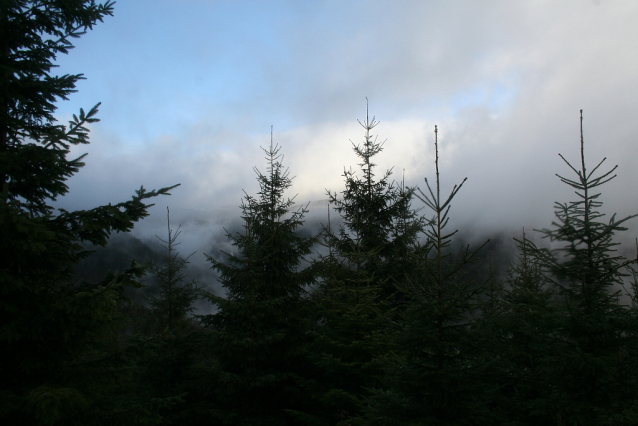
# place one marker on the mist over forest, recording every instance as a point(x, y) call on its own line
point(167, 260)
point(206, 231)
point(498, 254)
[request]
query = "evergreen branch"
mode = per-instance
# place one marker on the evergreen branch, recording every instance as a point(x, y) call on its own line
point(578, 172)
point(453, 193)
point(596, 168)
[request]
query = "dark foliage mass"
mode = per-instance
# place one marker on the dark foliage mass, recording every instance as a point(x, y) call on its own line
point(64, 358)
point(389, 318)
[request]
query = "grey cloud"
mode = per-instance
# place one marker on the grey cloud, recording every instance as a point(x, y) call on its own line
point(503, 80)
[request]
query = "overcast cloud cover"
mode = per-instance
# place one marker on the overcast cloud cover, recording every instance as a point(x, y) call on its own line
point(190, 88)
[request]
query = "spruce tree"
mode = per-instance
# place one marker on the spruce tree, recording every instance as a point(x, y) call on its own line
point(593, 377)
point(176, 294)
point(63, 363)
point(261, 325)
point(377, 215)
point(436, 374)
point(356, 295)
point(171, 344)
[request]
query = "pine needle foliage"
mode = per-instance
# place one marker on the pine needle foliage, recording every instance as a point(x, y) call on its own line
point(527, 340)
point(356, 297)
point(435, 375)
point(594, 379)
point(169, 340)
point(63, 360)
point(351, 333)
point(377, 215)
point(261, 325)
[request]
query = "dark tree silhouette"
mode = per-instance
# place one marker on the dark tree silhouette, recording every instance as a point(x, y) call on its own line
point(436, 373)
point(62, 360)
point(261, 324)
point(356, 294)
point(176, 294)
point(593, 377)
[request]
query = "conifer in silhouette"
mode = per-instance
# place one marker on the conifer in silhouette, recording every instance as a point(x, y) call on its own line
point(593, 376)
point(261, 324)
point(377, 215)
point(176, 293)
point(62, 358)
point(172, 341)
point(356, 293)
point(436, 373)
point(351, 332)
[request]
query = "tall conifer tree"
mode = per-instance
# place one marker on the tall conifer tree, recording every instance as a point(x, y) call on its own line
point(171, 339)
point(356, 294)
point(435, 375)
point(377, 215)
point(62, 360)
point(261, 324)
point(593, 378)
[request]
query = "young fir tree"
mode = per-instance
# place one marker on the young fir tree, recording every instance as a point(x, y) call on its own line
point(261, 325)
point(593, 377)
point(176, 295)
point(377, 215)
point(356, 294)
point(436, 375)
point(174, 343)
point(63, 363)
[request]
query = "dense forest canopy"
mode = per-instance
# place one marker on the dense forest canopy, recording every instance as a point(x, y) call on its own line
point(384, 316)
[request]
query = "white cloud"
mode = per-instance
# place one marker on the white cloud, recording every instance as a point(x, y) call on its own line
point(504, 81)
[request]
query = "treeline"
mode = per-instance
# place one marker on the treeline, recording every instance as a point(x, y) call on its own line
point(392, 324)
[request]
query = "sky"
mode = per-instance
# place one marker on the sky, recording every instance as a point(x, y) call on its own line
point(191, 88)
